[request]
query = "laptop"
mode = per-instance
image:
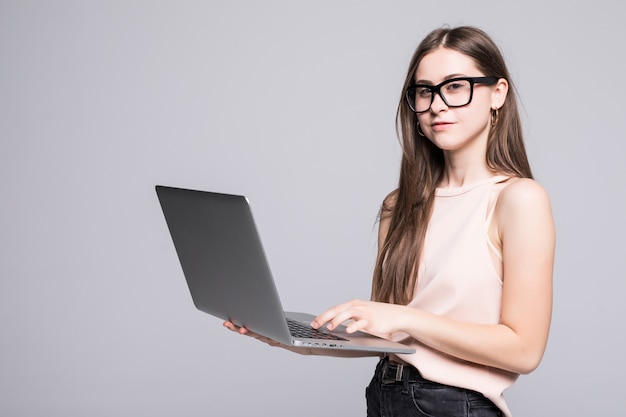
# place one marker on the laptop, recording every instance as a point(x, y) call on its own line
point(229, 277)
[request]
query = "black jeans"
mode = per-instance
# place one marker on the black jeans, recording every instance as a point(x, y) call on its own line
point(400, 391)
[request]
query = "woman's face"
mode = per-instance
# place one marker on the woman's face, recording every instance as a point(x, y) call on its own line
point(457, 128)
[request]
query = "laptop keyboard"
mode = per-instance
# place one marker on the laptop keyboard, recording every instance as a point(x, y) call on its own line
point(298, 329)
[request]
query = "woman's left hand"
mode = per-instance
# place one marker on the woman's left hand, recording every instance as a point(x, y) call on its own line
point(379, 319)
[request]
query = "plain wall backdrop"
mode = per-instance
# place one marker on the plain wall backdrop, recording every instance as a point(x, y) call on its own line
point(291, 103)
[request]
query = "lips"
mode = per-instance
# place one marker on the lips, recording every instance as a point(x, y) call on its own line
point(440, 125)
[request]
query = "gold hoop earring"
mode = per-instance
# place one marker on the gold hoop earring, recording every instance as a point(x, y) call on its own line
point(419, 131)
point(494, 117)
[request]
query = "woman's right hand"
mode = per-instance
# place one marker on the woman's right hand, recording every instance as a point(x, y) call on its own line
point(299, 350)
point(242, 330)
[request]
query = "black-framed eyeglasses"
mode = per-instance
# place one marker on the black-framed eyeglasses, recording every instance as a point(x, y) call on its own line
point(455, 92)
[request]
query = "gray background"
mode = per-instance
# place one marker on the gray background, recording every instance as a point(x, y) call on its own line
point(291, 103)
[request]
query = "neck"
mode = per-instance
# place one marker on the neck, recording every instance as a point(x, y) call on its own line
point(459, 172)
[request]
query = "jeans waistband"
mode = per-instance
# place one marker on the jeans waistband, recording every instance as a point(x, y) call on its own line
point(391, 372)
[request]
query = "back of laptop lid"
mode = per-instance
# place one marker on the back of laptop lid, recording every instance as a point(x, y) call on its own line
point(223, 260)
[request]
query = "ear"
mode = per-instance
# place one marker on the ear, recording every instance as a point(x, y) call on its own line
point(499, 93)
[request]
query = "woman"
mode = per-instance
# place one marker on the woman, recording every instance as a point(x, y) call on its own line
point(466, 241)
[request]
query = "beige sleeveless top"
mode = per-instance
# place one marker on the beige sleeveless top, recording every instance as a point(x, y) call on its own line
point(460, 278)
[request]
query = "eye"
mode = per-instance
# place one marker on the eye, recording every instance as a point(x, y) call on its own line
point(423, 91)
point(456, 86)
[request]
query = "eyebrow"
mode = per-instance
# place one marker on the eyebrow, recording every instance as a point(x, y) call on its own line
point(447, 77)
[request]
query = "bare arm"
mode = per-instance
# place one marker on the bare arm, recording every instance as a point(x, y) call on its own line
point(526, 229)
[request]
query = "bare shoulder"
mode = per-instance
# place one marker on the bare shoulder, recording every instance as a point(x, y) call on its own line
point(523, 194)
point(384, 217)
point(524, 203)
point(389, 203)
point(390, 199)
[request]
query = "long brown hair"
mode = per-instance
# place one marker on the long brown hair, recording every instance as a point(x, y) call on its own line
point(409, 207)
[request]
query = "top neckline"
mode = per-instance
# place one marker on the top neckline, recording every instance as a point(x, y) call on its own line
point(454, 191)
